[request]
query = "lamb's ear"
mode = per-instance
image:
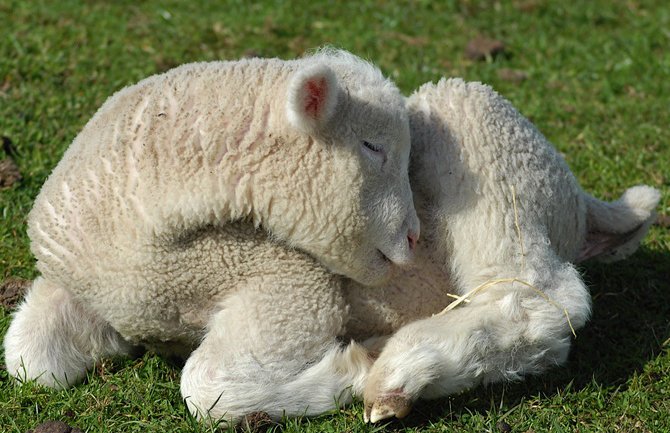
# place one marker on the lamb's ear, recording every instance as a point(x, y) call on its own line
point(312, 97)
point(615, 229)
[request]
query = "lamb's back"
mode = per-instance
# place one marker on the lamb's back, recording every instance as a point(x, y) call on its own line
point(130, 181)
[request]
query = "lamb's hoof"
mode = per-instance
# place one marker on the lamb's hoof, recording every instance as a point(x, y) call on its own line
point(386, 406)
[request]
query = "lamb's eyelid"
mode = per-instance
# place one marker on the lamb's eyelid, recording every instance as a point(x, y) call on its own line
point(374, 146)
point(376, 153)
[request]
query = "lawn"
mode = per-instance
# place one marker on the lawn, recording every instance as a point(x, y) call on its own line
point(593, 76)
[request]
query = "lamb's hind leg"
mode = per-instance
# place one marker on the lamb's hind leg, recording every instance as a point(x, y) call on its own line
point(507, 330)
point(54, 340)
point(268, 351)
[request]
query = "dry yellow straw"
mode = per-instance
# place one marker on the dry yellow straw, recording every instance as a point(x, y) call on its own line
point(490, 283)
point(466, 298)
point(451, 295)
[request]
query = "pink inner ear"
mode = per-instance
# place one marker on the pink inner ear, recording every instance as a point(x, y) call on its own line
point(317, 91)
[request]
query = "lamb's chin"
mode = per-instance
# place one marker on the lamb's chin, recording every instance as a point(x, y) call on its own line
point(372, 268)
point(377, 271)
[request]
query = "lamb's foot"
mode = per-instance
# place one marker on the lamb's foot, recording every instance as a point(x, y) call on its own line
point(275, 359)
point(393, 404)
point(55, 340)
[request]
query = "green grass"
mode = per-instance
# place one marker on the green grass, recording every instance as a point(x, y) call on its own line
point(597, 85)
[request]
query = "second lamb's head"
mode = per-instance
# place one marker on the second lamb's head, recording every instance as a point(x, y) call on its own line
point(351, 131)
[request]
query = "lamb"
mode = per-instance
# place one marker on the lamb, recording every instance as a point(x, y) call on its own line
point(208, 212)
point(504, 222)
point(500, 212)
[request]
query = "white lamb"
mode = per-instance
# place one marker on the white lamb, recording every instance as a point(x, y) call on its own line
point(146, 232)
point(503, 221)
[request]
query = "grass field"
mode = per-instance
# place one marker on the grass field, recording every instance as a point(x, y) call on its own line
point(594, 77)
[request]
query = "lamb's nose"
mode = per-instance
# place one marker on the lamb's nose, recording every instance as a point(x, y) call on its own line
point(412, 238)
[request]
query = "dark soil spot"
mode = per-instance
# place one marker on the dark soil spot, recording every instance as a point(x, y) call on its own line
point(663, 221)
point(482, 47)
point(9, 171)
point(251, 54)
point(8, 146)
point(256, 422)
point(503, 427)
point(164, 64)
point(54, 427)
point(512, 75)
point(12, 291)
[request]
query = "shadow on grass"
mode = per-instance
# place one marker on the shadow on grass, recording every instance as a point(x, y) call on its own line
point(628, 328)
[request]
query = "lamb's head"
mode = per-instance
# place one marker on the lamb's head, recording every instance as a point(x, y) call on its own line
point(357, 127)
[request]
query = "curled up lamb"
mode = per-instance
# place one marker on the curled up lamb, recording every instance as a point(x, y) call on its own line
point(503, 223)
point(148, 230)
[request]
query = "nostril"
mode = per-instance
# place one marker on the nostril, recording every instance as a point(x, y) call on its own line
point(411, 240)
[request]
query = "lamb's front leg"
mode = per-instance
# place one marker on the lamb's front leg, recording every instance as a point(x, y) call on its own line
point(272, 348)
point(507, 330)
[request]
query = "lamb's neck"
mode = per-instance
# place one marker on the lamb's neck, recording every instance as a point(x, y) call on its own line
point(438, 175)
point(237, 154)
point(259, 172)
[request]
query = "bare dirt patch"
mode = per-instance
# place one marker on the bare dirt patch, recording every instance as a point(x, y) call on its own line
point(9, 171)
point(481, 48)
point(663, 221)
point(54, 427)
point(512, 75)
point(256, 422)
point(12, 290)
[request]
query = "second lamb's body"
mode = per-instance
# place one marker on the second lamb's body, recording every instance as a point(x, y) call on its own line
point(504, 221)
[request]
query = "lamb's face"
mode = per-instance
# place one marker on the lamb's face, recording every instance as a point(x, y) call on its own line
point(376, 136)
point(364, 196)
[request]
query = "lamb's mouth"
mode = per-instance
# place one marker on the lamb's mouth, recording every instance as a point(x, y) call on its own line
point(384, 257)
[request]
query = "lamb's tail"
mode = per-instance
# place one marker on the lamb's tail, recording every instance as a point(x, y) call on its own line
point(615, 229)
